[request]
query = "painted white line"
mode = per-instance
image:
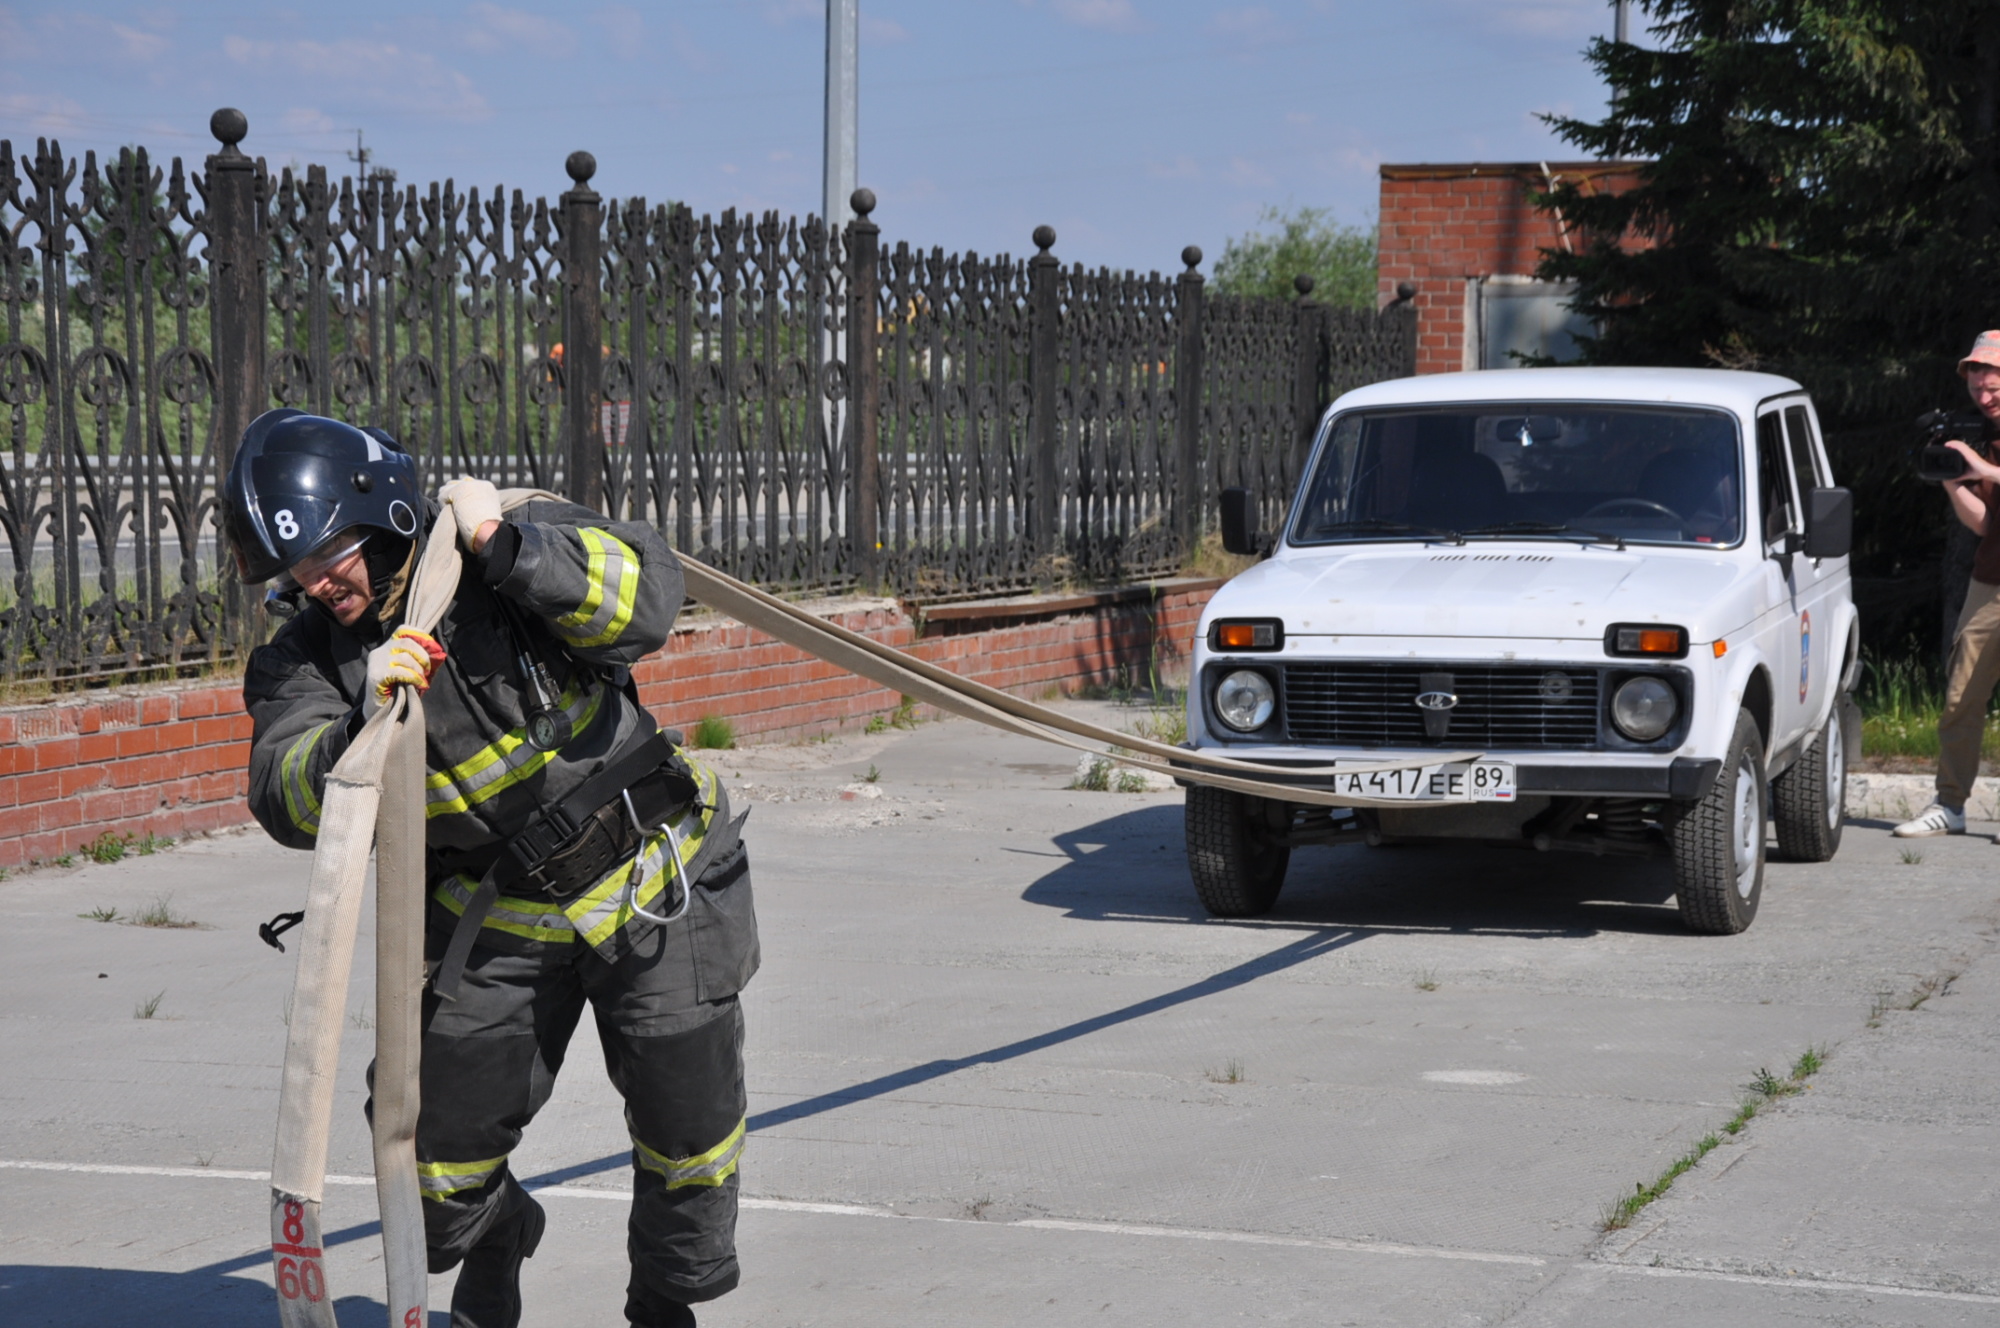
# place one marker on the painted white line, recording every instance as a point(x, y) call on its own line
point(859, 1210)
point(1801, 1283)
point(199, 1173)
point(1297, 1242)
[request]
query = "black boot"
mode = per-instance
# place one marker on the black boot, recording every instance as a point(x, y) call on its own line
point(488, 1294)
point(643, 1309)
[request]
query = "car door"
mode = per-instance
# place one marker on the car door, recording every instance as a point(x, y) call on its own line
point(1784, 630)
point(1817, 582)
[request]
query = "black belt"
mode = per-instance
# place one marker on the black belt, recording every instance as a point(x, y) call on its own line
point(524, 856)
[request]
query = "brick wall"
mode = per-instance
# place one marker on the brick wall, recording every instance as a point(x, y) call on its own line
point(170, 760)
point(1444, 225)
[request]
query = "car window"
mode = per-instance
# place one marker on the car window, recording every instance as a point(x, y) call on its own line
point(1667, 475)
point(1805, 467)
point(1774, 482)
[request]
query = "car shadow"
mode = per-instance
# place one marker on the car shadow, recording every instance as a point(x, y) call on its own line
point(1132, 867)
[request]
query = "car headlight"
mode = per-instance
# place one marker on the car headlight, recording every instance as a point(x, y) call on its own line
point(1644, 708)
point(1244, 700)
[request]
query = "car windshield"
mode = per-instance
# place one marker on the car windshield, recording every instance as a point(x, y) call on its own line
point(1657, 475)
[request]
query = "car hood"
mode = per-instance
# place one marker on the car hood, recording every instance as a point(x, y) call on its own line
point(1537, 590)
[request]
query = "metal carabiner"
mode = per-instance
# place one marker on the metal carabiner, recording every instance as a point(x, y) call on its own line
point(632, 873)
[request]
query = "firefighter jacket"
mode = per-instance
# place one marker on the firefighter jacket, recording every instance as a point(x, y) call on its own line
point(593, 597)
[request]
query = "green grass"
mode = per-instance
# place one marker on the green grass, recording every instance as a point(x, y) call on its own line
point(1097, 779)
point(107, 847)
point(1900, 703)
point(713, 733)
point(160, 913)
point(148, 1008)
point(1764, 1087)
point(1230, 1073)
point(101, 915)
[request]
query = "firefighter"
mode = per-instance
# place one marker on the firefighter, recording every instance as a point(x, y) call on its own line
point(574, 856)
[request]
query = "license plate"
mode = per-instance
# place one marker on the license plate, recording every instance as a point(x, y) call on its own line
point(1454, 781)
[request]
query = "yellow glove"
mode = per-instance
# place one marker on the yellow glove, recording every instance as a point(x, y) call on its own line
point(406, 659)
point(473, 503)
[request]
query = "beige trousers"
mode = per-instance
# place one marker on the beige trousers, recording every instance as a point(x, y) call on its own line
point(1969, 683)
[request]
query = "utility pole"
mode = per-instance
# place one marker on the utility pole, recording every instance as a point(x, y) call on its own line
point(843, 109)
point(361, 156)
point(1621, 21)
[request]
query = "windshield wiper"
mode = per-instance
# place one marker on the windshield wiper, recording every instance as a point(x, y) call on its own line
point(1548, 528)
point(1379, 526)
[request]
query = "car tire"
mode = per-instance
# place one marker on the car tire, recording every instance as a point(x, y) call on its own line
point(1237, 863)
point(1809, 801)
point(1717, 843)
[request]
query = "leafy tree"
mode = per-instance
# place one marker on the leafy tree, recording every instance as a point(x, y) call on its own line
point(1340, 259)
point(1821, 198)
point(1821, 202)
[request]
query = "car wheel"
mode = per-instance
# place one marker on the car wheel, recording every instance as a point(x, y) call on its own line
point(1718, 842)
point(1237, 863)
point(1809, 801)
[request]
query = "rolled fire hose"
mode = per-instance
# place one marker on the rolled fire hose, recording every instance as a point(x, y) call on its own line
point(375, 798)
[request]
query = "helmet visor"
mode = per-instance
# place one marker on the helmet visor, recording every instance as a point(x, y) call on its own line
point(311, 569)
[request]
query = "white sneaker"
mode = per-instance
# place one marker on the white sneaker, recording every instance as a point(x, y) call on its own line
point(1936, 819)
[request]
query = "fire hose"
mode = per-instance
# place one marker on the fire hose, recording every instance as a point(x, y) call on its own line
point(374, 798)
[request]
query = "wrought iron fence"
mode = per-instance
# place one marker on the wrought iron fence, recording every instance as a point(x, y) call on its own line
point(798, 406)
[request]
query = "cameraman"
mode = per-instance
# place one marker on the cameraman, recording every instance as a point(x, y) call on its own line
point(1974, 668)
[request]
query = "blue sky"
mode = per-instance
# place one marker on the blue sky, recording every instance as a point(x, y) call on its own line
point(1133, 126)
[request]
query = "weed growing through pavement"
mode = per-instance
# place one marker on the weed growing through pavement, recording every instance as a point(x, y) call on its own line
point(1911, 857)
point(160, 913)
point(1130, 781)
point(873, 775)
point(1763, 1087)
point(1427, 980)
point(101, 915)
point(713, 733)
point(361, 1018)
point(107, 848)
point(1097, 779)
point(64, 860)
point(1230, 1073)
point(285, 1015)
point(148, 1008)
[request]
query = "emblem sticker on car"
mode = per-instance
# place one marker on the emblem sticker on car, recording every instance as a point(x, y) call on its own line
point(1436, 700)
point(1805, 652)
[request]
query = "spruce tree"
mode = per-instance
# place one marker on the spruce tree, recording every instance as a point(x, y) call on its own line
point(1820, 201)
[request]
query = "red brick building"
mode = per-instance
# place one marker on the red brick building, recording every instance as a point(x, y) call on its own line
point(1470, 237)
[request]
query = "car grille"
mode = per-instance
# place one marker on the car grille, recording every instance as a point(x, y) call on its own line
point(1374, 705)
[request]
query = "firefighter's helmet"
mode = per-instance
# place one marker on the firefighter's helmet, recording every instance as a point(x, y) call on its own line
point(300, 480)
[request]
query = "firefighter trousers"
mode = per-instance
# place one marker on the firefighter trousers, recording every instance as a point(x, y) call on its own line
point(490, 1061)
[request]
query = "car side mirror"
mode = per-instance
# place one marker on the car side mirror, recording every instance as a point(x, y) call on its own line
point(1829, 523)
point(1239, 519)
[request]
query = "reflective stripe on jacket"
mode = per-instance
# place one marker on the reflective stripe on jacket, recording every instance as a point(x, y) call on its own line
point(595, 596)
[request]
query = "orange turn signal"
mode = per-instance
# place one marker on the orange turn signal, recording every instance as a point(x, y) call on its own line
point(1645, 639)
point(1250, 634)
point(1721, 647)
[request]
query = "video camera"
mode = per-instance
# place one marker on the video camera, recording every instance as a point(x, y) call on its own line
point(1936, 462)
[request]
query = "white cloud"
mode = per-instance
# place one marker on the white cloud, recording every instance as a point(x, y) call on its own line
point(626, 29)
point(495, 27)
point(307, 120)
point(1105, 15)
point(388, 74)
point(1253, 26)
point(882, 31)
point(1247, 173)
point(1182, 167)
point(1566, 19)
point(42, 113)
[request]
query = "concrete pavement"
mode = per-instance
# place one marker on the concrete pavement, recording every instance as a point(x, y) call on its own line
point(1003, 1071)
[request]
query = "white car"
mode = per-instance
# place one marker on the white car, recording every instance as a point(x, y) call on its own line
point(1610, 605)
